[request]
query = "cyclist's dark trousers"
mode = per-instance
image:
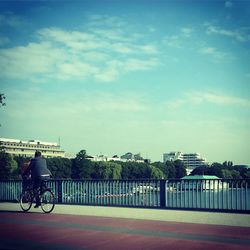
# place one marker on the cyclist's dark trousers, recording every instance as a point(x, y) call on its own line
point(26, 184)
point(36, 187)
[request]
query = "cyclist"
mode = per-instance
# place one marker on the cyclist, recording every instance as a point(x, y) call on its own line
point(39, 172)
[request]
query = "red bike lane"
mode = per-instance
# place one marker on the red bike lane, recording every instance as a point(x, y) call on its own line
point(58, 231)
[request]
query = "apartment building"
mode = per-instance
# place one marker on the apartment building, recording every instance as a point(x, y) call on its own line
point(172, 156)
point(18, 147)
point(190, 160)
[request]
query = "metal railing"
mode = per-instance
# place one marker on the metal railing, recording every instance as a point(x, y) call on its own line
point(226, 195)
point(222, 194)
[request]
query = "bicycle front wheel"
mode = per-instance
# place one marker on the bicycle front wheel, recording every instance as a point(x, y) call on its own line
point(47, 201)
point(26, 200)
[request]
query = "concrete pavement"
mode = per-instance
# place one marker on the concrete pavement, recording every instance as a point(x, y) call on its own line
point(35, 230)
point(71, 227)
point(209, 218)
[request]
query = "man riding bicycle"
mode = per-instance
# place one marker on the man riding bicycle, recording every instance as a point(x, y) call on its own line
point(39, 172)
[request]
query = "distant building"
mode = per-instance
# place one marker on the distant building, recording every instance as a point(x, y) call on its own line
point(134, 157)
point(97, 158)
point(172, 156)
point(203, 182)
point(124, 158)
point(28, 148)
point(190, 160)
point(128, 156)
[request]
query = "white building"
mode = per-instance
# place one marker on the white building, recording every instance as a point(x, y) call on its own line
point(97, 158)
point(172, 156)
point(203, 182)
point(190, 160)
point(124, 158)
point(134, 157)
point(18, 147)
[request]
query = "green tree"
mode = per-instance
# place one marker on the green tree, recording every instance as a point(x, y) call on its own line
point(215, 169)
point(243, 170)
point(116, 170)
point(247, 175)
point(126, 170)
point(161, 166)
point(59, 167)
point(227, 174)
point(170, 170)
point(107, 170)
point(180, 169)
point(156, 173)
point(82, 168)
point(141, 171)
point(20, 161)
point(226, 170)
point(2, 103)
point(2, 98)
point(202, 170)
point(81, 155)
point(235, 174)
point(227, 164)
point(135, 170)
point(8, 166)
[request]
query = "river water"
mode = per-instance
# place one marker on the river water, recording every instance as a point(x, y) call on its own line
point(238, 199)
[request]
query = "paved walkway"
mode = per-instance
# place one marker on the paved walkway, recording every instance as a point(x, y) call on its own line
point(94, 228)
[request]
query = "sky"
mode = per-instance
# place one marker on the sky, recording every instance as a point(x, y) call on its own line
point(138, 76)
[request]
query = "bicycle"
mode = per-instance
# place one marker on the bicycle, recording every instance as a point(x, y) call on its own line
point(47, 198)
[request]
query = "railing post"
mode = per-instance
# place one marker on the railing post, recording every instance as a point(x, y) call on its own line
point(59, 191)
point(162, 193)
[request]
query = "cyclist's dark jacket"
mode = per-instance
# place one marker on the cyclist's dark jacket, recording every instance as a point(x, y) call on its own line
point(38, 168)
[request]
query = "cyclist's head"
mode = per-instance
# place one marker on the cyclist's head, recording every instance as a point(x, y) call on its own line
point(38, 154)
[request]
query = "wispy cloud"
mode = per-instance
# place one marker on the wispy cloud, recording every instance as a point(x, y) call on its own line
point(26, 61)
point(217, 55)
point(128, 48)
point(187, 31)
point(72, 39)
point(121, 103)
point(80, 104)
point(241, 35)
point(175, 104)
point(112, 41)
point(211, 97)
point(114, 68)
point(102, 103)
point(198, 98)
point(228, 4)
point(172, 41)
point(178, 39)
point(99, 53)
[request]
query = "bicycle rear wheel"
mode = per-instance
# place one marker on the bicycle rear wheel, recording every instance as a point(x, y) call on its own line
point(47, 201)
point(26, 200)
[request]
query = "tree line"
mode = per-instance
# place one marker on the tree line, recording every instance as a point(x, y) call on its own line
point(82, 168)
point(226, 170)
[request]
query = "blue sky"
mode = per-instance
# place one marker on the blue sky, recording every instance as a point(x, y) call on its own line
point(128, 76)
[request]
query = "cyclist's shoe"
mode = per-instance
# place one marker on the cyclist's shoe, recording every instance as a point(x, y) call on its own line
point(37, 205)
